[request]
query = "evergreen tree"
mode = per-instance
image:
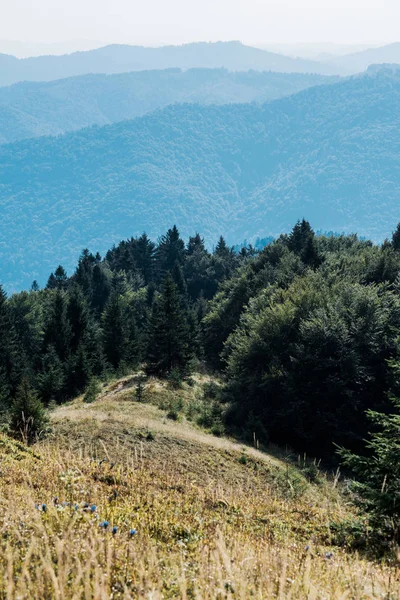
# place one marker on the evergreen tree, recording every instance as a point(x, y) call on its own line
point(144, 252)
point(169, 336)
point(58, 279)
point(115, 334)
point(299, 236)
point(28, 416)
point(51, 377)
point(396, 238)
point(377, 488)
point(171, 249)
point(57, 330)
point(9, 360)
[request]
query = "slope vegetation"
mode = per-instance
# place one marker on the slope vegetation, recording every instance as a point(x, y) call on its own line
point(330, 154)
point(34, 109)
point(123, 502)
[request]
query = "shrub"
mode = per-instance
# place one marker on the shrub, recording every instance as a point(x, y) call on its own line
point(92, 391)
point(29, 418)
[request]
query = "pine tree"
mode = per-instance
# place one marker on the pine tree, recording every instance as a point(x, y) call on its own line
point(57, 330)
point(377, 488)
point(396, 238)
point(169, 337)
point(28, 416)
point(115, 334)
point(299, 236)
point(51, 378)
point(171, 249)
point(8, 355)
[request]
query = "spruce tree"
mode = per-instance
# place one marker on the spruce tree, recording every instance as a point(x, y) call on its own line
point(171, 249)
point(28, 416)
point(57, 330)
point(115, 334)
point(396, 238)
point(169, 337)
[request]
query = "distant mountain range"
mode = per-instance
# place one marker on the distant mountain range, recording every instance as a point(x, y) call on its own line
point(360, 61)
point(330, 154)
point(32, 109)
point(121, 59)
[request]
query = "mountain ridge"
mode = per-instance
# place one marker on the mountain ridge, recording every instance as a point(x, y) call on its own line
point(71, 104)
point(117, 58)
point(329, 154)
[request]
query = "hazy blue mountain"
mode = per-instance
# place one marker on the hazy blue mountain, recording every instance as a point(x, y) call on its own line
point(121, 59)
point(70, 104)
point(329, 153)
point(360, 61)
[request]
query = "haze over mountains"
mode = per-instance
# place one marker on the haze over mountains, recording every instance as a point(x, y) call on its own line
point(32, 109)
point(330, 154)
point(233, 56)
point(120, 59)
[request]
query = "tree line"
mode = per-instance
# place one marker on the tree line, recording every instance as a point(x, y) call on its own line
point(304, 332)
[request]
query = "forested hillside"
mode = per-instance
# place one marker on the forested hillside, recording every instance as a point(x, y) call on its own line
point(304, 333)
point(121, 59)
point(329, 153)
point(34, 109)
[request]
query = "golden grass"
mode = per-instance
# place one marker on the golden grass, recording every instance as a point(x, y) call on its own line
point(209, 525)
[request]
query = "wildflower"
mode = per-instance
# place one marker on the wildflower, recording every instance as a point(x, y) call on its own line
point(114, 530)
point(307, 548)
point(132, 532)
point(104, 524)
point(44, 508)
point(93, 508)
point(329, 555)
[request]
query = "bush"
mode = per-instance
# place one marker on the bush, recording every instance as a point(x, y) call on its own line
point(92, 391)
point(29, 418)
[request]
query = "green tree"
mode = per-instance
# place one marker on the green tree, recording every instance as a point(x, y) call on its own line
point(28, 416)
point(170, 250)
point(169, 338)
point(57, 330)
point(377, 487)
point(115, 333)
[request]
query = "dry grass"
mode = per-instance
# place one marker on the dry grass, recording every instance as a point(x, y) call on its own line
point(209, 524)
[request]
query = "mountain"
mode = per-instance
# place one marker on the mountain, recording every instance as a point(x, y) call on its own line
point(360, 61)
point(26, 49)
point(329, 153)
point(121, 59)
point(31, 109)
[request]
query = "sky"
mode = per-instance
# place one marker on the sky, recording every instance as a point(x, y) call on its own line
point(155, 22)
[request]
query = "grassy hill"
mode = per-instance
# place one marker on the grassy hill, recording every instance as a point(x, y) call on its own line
point(34, 109)
point(121, 58)
point(197, 516)
point(329, 154)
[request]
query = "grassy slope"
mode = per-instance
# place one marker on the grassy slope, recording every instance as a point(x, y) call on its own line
point(210, 524)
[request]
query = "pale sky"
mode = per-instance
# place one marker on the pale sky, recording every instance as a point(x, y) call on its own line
point(154, 22)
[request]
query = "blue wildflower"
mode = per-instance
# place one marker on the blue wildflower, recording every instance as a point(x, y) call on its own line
point(114, 530)
point(93, 508)
point(104, 524)
point(44, 508)
point(132, 532)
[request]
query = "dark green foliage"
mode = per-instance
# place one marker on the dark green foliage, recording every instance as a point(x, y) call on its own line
point(92, 391)
point(115, 335)
point(169, 345)
point(377, 489)
point(28, 416)
point(57, 329)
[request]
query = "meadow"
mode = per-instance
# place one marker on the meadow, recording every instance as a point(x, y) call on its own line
point(127, 499)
